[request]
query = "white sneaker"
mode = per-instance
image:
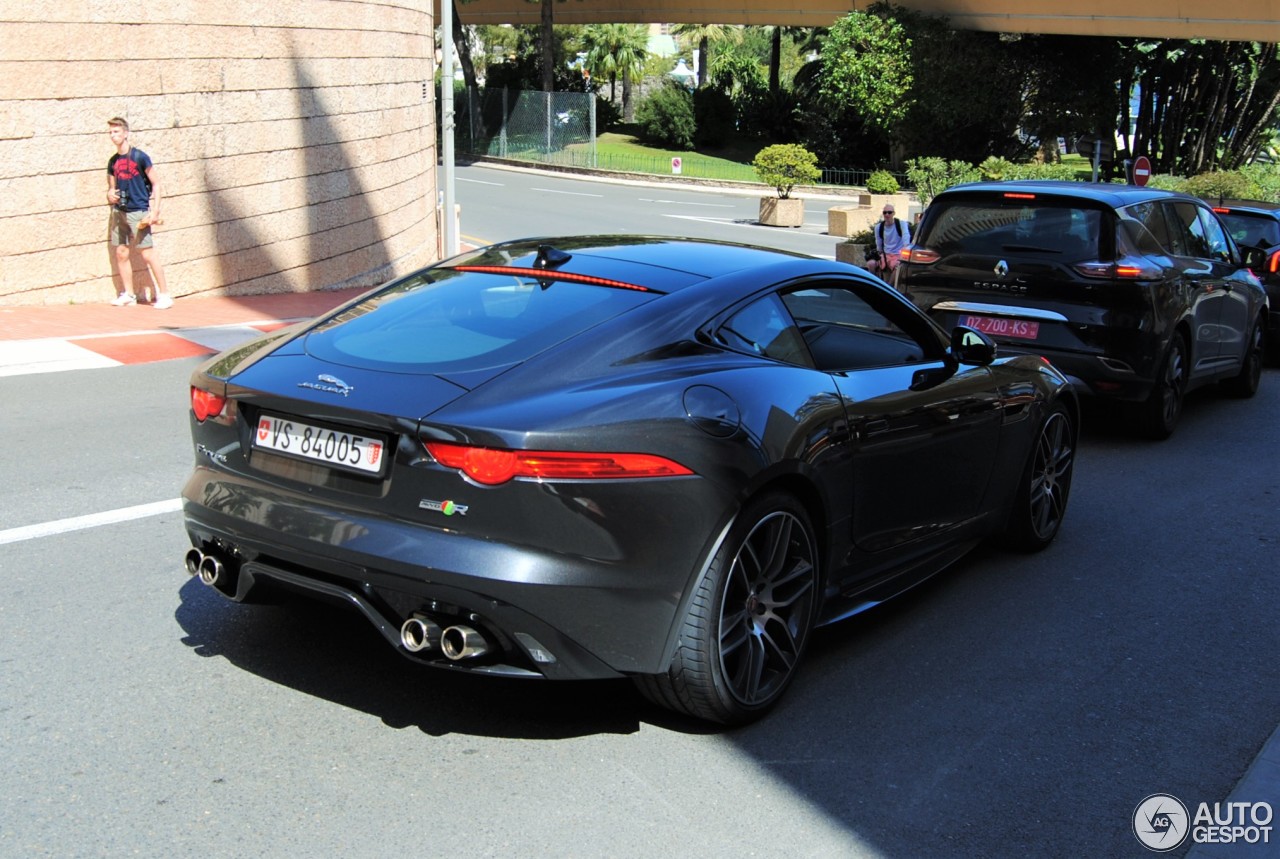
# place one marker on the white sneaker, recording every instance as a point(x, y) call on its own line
point(124, 299)
point(164, 302)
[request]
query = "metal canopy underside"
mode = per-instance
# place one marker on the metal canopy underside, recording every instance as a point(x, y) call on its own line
point(1239, 20)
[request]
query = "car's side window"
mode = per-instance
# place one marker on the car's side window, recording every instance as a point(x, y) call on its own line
point(1144, 224)
point(1215, 236)
point(1187, 231)
point(765, 328)
point(846, 331)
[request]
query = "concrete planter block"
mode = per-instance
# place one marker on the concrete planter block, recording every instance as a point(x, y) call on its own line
point(779, 212)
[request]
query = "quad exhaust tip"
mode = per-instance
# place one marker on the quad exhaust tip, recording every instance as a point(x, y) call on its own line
point(462, 642)
point(208, 568)
point(419, 633)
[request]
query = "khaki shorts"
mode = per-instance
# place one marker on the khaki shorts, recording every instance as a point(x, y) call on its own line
point(122, 229)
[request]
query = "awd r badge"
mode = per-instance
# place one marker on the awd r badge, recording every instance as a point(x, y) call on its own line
point(448, 508)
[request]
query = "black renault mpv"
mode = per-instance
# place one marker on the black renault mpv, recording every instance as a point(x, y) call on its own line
point(1138, 295)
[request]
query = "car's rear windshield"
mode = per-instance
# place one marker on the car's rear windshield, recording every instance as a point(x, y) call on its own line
point(444, 321)
point(1005, 227)
point(1252, 230)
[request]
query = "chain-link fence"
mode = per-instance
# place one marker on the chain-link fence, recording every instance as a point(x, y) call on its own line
point(550, 127)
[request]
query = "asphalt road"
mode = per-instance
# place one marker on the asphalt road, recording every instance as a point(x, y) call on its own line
point(1015, 706)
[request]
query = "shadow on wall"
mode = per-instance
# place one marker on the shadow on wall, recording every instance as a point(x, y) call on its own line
point(342, 245)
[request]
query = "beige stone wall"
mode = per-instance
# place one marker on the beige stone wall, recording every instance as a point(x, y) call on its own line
point(294, 140)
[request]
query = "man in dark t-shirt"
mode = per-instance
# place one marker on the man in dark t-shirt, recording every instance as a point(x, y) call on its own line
point(133, 191)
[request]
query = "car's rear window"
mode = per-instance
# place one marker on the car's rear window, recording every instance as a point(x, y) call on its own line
point(1013, 227)
point(1251, 230)
point(443, 321)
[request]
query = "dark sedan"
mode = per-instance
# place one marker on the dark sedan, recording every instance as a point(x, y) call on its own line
point(596, 457)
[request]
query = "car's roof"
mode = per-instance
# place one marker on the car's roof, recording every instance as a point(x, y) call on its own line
point(1099, 192)
point(658, 262)
point(1249, 207)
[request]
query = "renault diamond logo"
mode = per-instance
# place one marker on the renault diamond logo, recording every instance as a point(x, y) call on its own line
point(1002, 269)
point(328, 384)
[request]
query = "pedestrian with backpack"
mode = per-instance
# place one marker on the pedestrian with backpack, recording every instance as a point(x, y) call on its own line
point(892, 235)
point(133, 192)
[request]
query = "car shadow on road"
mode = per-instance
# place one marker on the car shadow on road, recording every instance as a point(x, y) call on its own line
point(335, 654)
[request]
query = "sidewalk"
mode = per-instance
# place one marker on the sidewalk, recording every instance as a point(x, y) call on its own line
point(45, 339)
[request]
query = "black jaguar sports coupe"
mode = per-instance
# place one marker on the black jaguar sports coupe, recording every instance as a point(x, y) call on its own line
point(606, 456)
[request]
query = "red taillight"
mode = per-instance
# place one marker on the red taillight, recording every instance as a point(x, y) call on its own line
point(1273, 264)
point(922, 256)
point(1221, 210)
point(1125, 269)
point(206, 404)
point(492, 466)
point(1011, 195)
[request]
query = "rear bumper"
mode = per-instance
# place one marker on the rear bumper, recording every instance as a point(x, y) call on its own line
point(543, 614)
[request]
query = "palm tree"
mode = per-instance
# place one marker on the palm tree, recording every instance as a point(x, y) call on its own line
point(613, 50)
point(703, 35)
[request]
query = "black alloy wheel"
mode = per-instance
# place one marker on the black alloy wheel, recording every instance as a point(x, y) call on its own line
point(1046, 484)
point(749, 621)
point(1158, 416)
point(1246, 384)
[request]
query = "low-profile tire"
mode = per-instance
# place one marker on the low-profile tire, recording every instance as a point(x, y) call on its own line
point(1045, 484)
point(748, 622)
point(1245, 385)
point(1158, 415)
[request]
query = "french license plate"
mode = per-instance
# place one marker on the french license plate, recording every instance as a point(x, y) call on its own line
point(1020, 329)
point(322, 444)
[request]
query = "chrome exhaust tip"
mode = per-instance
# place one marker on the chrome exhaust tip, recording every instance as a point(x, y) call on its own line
point(192, 561)
point(462, 642)
point(419, 633)
point(211, 570)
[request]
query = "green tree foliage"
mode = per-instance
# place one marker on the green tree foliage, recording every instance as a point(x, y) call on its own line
point(866, 67)
point(703, 36)
point(1223, 184)
point(617, 51)
point(1205, 105)
point(666, 117)
point(713, 117)
point(882, 182)
point(932, 175)
point(785, 165)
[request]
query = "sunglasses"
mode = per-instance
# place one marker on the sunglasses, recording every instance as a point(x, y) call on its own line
point(887, 212)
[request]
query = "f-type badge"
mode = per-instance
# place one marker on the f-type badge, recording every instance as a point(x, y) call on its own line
point(448, 508)
point(329, 384)
point(1002, 269)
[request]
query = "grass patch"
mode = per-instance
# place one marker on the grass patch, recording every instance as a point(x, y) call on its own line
point(624, 152)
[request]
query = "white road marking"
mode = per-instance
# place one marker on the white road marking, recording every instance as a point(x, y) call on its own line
point(688, 203)
point(570, 193)
point(19, 357)
point(93, 520)
point(481, 182)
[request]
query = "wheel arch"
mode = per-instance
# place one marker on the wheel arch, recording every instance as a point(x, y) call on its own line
point(794, 484)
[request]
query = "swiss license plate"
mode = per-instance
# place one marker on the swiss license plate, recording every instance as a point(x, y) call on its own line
point(334, 447)
point(996, 326)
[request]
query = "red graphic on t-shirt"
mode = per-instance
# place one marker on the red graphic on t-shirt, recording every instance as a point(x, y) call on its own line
point(126, 169)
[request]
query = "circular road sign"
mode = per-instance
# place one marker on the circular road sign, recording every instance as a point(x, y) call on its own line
point(1141, 170)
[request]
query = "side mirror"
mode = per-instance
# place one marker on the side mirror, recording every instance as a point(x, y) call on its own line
point(1254, 258)
point(969, 346)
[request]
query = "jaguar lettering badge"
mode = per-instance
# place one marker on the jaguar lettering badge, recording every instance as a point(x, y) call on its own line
point(329, 384)
point(1002, 269)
